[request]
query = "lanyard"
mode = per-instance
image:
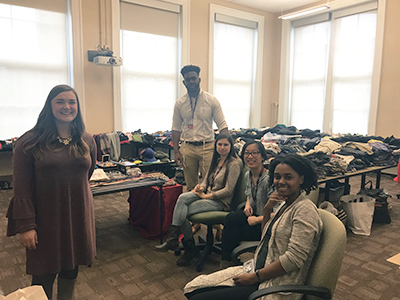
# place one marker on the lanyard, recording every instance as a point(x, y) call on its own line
point(254, 189)
point(215, 175)
point(193, 105)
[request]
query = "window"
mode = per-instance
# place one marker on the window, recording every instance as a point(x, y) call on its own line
point(309, 75)
point(150, 71)
point(236, 56)
point(331, 74)
point(33, 59)
point(352, 69)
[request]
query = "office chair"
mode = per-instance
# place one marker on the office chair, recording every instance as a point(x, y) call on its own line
point(211, 218)
point(325, 267)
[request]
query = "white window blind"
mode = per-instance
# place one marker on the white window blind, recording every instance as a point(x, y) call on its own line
point(234, 68)
point(352, 72)
point(332, 69)
point(309, 75)
point(149, 75)
point(33, 59)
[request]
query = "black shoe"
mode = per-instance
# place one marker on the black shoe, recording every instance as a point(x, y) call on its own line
point(172, 242)
point(191, 252)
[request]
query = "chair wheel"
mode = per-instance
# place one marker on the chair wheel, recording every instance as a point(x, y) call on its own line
point(177, 252)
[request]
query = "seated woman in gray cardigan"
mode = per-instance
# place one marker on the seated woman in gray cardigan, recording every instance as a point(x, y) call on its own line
point(288, 243)
point(245, 225)
point(214, 193)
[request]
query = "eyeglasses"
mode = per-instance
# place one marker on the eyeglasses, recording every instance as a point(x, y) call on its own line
point(254, 153)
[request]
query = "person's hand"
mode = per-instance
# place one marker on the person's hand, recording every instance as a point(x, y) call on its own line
point(178, 158)
point(252, 220)
point(245, 279)
point(29, 239)
point(198, 188)
point(248, 210)
point(273, 200)
point(200, 194)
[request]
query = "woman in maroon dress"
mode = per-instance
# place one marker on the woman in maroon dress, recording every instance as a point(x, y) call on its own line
point(52, 207)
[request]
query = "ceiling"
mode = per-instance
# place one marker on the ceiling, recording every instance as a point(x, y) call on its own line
point(274, 6)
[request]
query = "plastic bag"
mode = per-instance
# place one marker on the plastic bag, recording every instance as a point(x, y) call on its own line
point(360, 212)
point(338, 212)
point(34, 292)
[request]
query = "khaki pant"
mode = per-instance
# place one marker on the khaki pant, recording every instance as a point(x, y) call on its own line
point(195, 159)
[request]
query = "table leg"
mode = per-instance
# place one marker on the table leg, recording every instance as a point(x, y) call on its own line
point(327, 189)
point(363, 181)
point(378, 179)
point(346, 186)
point(161, 214)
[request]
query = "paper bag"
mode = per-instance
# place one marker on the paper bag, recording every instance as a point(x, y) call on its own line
point(360, 211)
point(34, 292)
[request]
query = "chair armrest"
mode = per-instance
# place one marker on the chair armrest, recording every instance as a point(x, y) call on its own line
point(320, 292)
point(249, 246)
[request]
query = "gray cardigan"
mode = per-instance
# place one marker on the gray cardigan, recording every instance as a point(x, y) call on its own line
point(223, 191)
point(294, 240)
point(264, 190)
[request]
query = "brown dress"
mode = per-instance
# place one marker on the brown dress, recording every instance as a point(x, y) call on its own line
point(53, 196)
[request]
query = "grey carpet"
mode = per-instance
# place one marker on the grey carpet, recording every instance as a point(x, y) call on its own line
point(128, 268)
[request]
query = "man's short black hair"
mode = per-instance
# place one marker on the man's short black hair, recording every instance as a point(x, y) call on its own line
point(190, 68)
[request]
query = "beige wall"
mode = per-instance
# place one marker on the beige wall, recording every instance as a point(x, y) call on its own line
point(388, 118)
point(199, 46)
point(98, 79)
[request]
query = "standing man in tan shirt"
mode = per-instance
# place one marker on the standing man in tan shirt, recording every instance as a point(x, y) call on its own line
point(192, 124)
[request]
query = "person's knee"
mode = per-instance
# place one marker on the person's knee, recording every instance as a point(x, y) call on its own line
point(69, 274)
point(231, 219)
point(182, 200)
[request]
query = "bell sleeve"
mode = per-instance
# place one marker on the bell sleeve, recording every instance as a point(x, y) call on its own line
point(21, 211)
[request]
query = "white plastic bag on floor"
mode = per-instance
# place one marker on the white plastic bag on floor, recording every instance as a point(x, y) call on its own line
point(34, 292)
point(360, 212)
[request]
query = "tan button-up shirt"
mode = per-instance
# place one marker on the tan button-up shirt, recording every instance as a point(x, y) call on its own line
point(195, 122)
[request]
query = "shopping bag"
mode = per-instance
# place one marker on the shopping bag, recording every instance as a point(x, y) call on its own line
point(360, 211)
point(381, 212)
point(34, 292)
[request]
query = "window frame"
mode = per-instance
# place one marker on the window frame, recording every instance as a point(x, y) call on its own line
point(116, 44)
point(255, 107)
point(284, 90)
point(75, 50)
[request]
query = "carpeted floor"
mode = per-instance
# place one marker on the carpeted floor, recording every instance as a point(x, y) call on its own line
point(128, 268)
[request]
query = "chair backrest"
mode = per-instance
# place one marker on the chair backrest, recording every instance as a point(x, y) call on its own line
point(313, 196)
point(238, 194)
point(324, 270)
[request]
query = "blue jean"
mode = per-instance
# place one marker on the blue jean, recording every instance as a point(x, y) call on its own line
point(189, 204)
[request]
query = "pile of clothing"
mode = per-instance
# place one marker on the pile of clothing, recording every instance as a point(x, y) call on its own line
point(332, 155)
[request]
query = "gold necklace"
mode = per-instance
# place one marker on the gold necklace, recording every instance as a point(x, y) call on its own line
point(65, 141)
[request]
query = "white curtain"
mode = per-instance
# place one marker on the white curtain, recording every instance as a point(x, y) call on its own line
point(150, 72)
point(309, 75)
point(341, 104)
point(352, 72)
point(149, 81)
point(234, 63)
point(33, 59)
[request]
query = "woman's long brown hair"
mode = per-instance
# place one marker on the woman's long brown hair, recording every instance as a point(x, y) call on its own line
point(45, 130)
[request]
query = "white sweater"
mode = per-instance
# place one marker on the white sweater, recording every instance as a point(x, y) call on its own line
point(294, 240)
